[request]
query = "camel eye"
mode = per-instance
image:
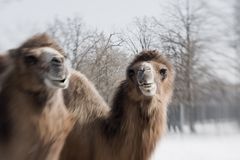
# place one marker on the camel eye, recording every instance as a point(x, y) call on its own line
point(30, 60)
point(131, 72)
point(163, 73)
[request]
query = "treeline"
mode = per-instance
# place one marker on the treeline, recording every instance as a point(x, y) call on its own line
point(188, 34)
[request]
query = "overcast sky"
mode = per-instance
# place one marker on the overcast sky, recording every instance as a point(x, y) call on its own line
point(108, 15)
point(20, 19)
point(103, 13)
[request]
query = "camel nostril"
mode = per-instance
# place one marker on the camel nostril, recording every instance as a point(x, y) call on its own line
point(145, 77)
point(56, 61)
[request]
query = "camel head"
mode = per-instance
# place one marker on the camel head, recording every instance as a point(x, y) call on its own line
point(39, 63)
point(150, 74)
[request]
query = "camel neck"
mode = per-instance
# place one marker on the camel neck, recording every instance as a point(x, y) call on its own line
point(136, 124)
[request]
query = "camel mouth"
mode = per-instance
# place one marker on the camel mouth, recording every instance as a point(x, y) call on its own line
point(148, 89)
point(60, 83)
point(146, 85)
point(57, 82)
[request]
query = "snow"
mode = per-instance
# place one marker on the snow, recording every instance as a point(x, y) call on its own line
point(209, 144)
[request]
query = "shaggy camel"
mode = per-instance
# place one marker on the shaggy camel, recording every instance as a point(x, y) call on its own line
point(34, 121)
point(136, 120)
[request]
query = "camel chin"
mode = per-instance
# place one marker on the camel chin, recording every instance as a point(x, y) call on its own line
point(148, 90)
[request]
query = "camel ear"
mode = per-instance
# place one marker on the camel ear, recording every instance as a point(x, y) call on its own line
point(5, 65)
point(12, 52)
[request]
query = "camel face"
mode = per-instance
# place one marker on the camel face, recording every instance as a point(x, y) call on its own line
point(57, 75)
point(45, 67)
point(148, 77)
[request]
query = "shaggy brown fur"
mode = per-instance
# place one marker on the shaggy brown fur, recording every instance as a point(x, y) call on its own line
point(130, 130)
point(85, 102)
point(34, 121)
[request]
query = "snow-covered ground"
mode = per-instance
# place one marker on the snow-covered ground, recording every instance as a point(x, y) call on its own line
point(211, 143)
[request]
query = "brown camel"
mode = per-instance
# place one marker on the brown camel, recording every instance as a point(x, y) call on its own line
point(34, 121)
point(136, 120)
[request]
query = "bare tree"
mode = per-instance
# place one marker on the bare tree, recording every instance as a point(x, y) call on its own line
point(183, 39)
point(139, 36)
point(94, 53)
point(108, 65)
point(75, 38)
point(237, 33)
point(236, 46)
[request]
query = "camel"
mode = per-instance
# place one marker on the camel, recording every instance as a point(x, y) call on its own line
point(136, 120)
point(34, 121)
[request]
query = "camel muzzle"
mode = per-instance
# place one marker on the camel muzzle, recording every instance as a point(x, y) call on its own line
point(145, 79)
point(145, 76)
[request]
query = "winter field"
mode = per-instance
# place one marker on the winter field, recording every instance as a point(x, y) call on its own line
point(221, 142)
